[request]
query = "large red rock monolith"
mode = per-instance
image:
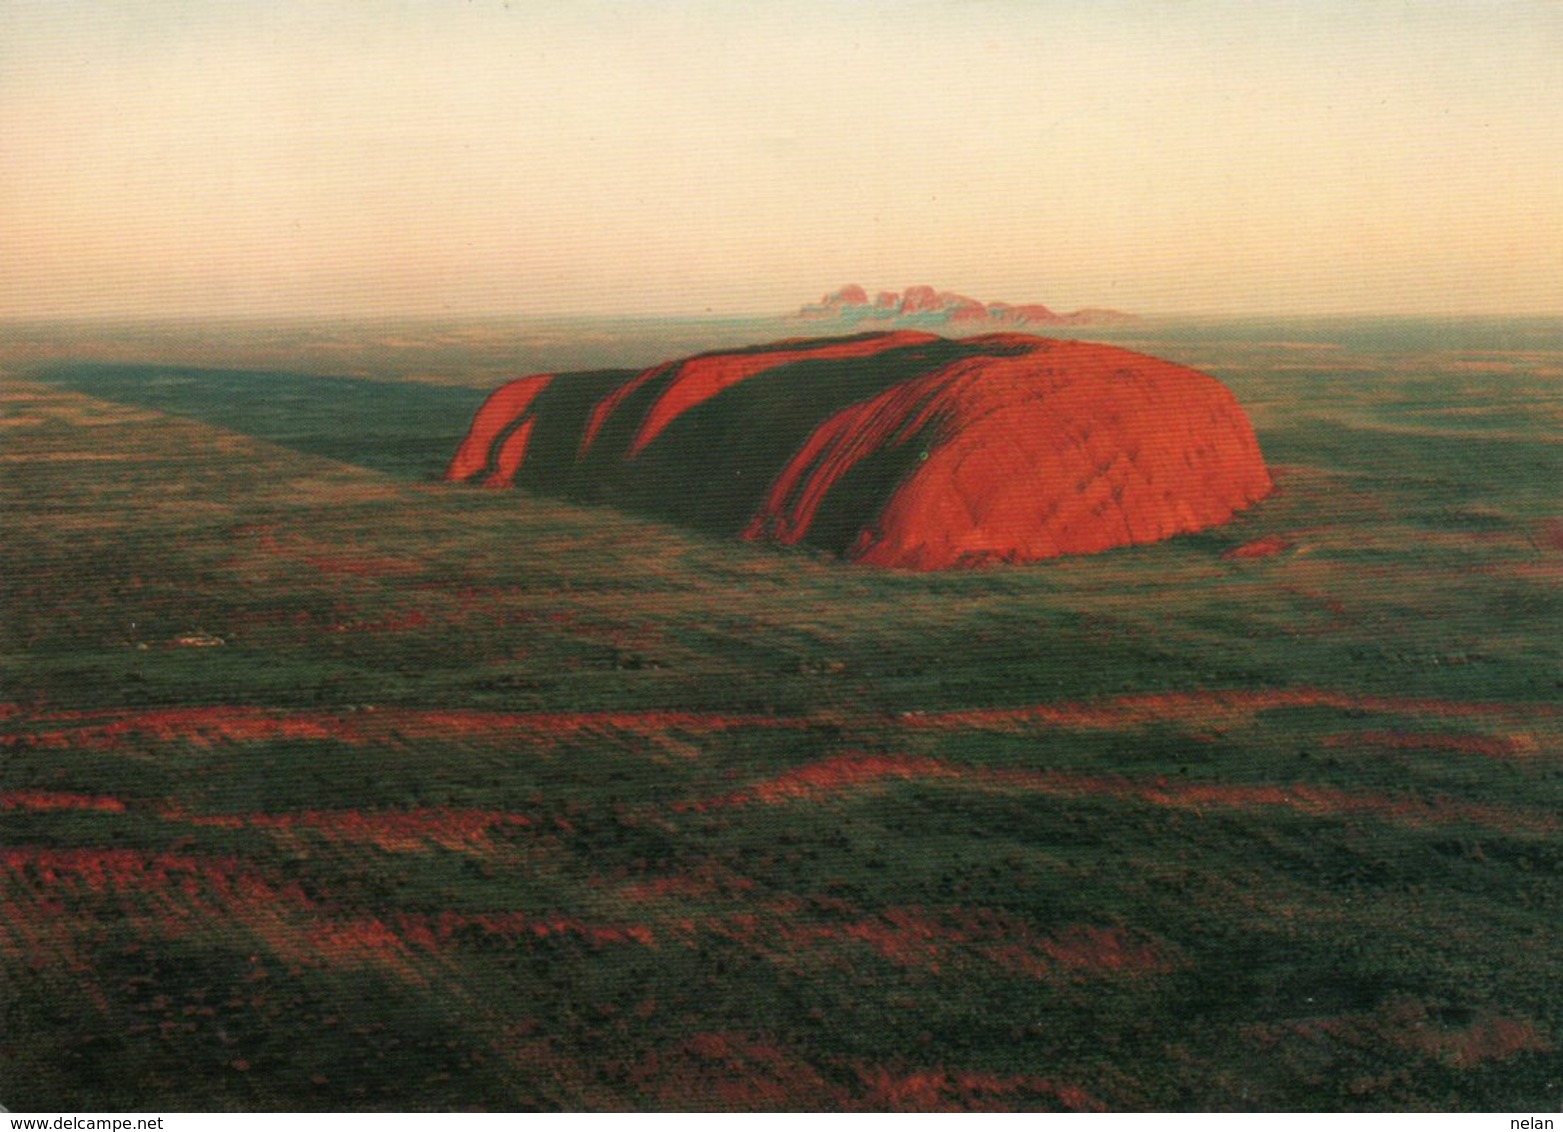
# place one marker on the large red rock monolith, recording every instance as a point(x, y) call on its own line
point(896, 449)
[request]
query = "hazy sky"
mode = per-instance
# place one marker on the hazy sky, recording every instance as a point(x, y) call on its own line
point(361, 157)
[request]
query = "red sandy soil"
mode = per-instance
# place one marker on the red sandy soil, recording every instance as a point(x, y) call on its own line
point(1033, 448)
point(1491, 1037)
point(943, 1090)
point(1211, 708)
point(1492, 746)
point(1407, 1024)
point(1266, 547)
point(1045, 448)
point(748, 1072)
point(40, 800)
point(923, 939)
point(705, 880)
point(791, 931)
point(394, 831)
point(848, 772)
point(435, 931)
point(172, 890)
point(235, 724)
point(726, 1070)
point(171, 894)
point(50, 896)
point(744, 1071)
point(831, 776)
point(200, 726)
point(731, 1071)
point(207, 726)
point(62, 893)
point(751, 1072)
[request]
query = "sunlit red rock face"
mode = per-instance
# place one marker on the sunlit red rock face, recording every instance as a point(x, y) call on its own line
point(898, 449)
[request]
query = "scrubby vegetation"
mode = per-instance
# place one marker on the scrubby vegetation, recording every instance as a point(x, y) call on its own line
point(328, 786)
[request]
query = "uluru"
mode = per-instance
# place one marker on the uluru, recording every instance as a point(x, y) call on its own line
point(897, 449)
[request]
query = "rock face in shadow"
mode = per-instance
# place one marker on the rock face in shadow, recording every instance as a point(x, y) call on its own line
point(897, 449)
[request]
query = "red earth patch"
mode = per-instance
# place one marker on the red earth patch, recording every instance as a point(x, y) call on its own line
point(844, 773)
point(437, 930)
point(1209, 708)
point(394, 831)
point(1266, 547)
point(943, 1090)
point(208, 726)
point(44, 800)
point(62, 893)
point(949, 939)
point(1491, 746)
point(829, 776)
point(732, 1072)
point(1407, 1024)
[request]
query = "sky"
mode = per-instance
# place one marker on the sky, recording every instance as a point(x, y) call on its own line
point(363, 158)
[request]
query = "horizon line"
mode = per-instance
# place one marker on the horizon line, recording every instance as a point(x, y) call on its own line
point(742, 316)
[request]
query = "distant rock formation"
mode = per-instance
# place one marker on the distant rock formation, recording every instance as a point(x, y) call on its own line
point(926, 307)
point(897, 449)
